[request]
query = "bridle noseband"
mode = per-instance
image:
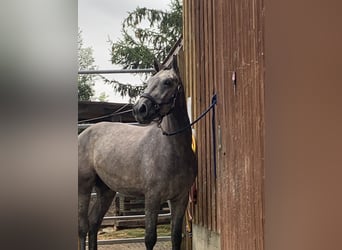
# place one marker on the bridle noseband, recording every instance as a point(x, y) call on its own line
point(157, 105)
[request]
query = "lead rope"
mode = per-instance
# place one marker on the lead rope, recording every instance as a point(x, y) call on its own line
point(214, 100)
point(212, 106)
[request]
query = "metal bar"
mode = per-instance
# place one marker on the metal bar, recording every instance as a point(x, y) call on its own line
point(130, 240)
point(132, 217)
point(86, 125)
point(115, 71)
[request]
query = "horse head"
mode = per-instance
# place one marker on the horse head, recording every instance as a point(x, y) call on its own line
point(160, 95)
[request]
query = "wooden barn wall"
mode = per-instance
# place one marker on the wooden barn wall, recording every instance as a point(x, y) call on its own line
point(223, 41)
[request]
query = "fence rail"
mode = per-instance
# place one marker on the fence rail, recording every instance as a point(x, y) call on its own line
point(133, 217)
point(115, 71)
point(86, 125)
point(130, 240)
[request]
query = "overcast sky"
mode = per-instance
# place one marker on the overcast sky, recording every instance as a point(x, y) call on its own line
point(100, 19)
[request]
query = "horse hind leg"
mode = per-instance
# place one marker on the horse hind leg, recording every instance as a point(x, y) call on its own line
point(85, 186)
point(83, 225)
point(104, 198)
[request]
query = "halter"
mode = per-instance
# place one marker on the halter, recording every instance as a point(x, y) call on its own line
point(157, 105)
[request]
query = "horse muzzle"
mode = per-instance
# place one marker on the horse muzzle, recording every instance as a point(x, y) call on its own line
point(144, 111)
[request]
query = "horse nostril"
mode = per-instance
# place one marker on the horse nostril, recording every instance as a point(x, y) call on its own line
point(143, 109)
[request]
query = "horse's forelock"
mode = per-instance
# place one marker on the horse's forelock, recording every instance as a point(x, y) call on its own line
point(165, 73)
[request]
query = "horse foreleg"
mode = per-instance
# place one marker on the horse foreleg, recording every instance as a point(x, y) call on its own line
point(178, 207)
point(104, 198)
point(152, 206)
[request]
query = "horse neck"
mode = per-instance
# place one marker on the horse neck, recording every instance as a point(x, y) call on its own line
point(178, 119)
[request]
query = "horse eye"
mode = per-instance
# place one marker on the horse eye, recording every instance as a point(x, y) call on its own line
point(167, 82)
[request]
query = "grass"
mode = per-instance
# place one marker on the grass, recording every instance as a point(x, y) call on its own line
point(162, 230)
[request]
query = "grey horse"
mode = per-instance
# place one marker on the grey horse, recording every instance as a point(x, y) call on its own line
point(139, 160)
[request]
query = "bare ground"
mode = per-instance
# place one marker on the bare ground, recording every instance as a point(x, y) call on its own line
point(110, 233)
point(163, 245)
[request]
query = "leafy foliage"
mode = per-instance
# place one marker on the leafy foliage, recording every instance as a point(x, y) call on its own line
point(147, 34)
point(103, 97)
point(125, 89)
point(85, 61)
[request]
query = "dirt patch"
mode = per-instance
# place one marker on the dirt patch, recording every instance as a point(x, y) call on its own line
point(108, 233)
point(164, 245)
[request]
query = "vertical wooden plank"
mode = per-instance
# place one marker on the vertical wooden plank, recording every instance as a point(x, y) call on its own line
point(218, 81)
point(203, 90)
point(198, 103)
point(224, 115)
point(211, 92)
point(209, 116)
point(204, 123)
point(193, 55)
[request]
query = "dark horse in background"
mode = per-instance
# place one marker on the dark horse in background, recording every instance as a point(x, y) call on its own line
point(139, 160)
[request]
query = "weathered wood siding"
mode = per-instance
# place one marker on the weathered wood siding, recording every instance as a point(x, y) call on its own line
point(224, 54)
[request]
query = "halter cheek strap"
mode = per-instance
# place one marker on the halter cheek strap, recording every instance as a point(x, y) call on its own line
point(157, 105)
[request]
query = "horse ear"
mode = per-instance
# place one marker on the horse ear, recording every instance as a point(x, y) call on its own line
point(157, 65)
point(175, 64)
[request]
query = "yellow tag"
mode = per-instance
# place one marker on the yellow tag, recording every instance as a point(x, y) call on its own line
point(193, 144)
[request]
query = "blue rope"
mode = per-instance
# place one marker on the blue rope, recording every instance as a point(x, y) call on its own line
point(213, 126)
point(213, 103)
point(214, 100)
